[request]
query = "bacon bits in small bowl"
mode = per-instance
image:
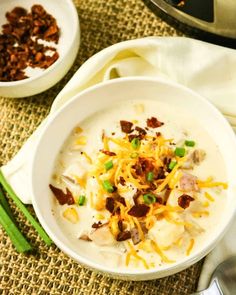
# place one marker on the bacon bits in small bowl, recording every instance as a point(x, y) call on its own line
point(38, 44)
point(140, 183)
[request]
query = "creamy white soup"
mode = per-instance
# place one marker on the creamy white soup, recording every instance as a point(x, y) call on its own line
point(139, 185)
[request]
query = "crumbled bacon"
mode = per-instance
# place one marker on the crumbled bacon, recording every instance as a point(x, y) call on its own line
point(110, 204)
point(132, 136)
point(97, 224)
point(159, 173)
point(63, 198)
point(184, 201)
point(122, 180)
point(121, 200)
point(166, 194)
point(159, 200)
point(123, 236)
point(141, 132)
point(120, 225)
point(108, 153)
point(166, 160)
point(135, 235)
point(19, 45)
point(154, 123)
point(139, 210)
point(136, 196)
point(126, 126)
point(146, 164)
point(138, 169)
point(85, 237)
point(152, 186)
point(117, 211)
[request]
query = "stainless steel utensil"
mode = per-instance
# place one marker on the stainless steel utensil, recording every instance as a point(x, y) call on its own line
point(223, 280)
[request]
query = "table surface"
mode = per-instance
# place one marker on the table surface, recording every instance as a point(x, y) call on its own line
point(48, 270)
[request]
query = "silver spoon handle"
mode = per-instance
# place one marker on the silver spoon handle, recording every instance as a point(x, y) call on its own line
point(213, 289)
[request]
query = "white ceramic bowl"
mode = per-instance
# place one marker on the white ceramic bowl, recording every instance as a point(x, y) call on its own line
point(97, 98)
point(66, 15)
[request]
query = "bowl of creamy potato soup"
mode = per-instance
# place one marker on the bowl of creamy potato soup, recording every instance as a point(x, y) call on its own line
point(135, 178)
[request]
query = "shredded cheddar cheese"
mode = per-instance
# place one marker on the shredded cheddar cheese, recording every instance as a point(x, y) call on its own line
point(138, 187)
point(88, 158)
point(160, 253)
point(170, 176)
point(200, 214)
point(209, 184)
point(136, 222)
point(190, 247)
point(209, 197)
point(134, 253)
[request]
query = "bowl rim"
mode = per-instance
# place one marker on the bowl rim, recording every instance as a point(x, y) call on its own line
point(164, 270)
point(75, 18)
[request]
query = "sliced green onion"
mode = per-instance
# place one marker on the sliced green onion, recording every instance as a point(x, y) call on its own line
point(134, 155)
point(172, 165)
point(180, 151)
point(108, 186)
point(81, 200)
point(4, 203)
point(149, 199)
point(24, 210)
point(13, 232)
point(108, 165)
point(190, 143)
point(135, 142)
point(150, 176)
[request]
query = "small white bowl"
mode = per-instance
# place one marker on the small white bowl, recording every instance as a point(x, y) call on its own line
point(98, 98)
point(66, 15)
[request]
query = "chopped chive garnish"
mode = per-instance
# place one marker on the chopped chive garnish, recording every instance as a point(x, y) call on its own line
point(134, 155)
point(108, 165)
point(172, 165)
point(150, 176)
point(180, 151)
point(81, 200)
point(135, 142)
point(149, 199)
point(190, 143)
point(108, 186)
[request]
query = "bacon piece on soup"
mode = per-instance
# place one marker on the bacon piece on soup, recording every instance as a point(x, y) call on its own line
point(123, 236)
point(63, 198)
point(85, 237)
point(110, 204)
point(184, 201)
point(108, 153)
point(154, 123)
point(126, 126)
point(139, 210)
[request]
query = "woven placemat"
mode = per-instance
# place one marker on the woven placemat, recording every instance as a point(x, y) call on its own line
point(49, 271)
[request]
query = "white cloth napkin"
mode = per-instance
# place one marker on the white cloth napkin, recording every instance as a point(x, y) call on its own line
point(208, 69)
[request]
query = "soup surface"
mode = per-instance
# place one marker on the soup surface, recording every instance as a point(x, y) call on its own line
point(139, 185)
